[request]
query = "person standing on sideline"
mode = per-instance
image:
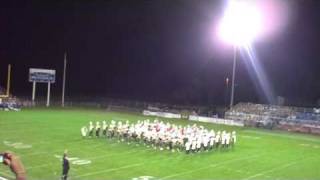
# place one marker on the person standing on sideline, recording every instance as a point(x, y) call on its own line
point(65, 166)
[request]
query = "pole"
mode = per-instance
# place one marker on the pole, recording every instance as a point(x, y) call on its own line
point(64, 79)
point(233, 74)
point(48, 95)
point(33, 91)
point(8, 80)
point(226, 94)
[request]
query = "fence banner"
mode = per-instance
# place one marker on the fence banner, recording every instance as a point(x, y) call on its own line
point(161, 114)
point(216, 120)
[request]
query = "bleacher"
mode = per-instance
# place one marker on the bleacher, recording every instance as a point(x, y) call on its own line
point(273, 116)
point(8, 103)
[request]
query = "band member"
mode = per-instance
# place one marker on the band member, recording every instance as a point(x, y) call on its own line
point(104, 128)
point(91, 127)
point(98, 127)
point(84, 131)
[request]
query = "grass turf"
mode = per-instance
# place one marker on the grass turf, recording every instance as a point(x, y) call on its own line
point(259, 154)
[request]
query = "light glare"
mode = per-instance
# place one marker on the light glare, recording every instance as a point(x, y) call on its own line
point(241, 24)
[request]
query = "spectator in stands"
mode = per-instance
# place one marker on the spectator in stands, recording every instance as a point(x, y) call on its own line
point(16, 166)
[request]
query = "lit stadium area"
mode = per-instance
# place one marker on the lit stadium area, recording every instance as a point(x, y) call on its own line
point(41, 135)
point(154, 90)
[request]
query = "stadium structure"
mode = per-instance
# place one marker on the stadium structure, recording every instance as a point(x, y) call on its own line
point(119, 139)
point(130, 140)
point(263, 149)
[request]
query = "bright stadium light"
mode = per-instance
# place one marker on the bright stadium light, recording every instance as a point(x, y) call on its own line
point(240, 25)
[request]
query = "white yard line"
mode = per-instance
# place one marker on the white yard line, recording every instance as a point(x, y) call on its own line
point(34, 153)
point(109, 170)
point(113, 154)
point(278, 168)
point(7, 175)
point(90, 158)
point(209, 166)
point(271, 170)
point(233, 170)
point(42, 165)
point(289, 136)
point(116, 169)
point(250, 137)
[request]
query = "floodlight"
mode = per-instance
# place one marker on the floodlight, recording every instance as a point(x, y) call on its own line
point(241, 23)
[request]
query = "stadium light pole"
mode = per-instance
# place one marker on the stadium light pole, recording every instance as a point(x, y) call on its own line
point(240, 25)
point(233, 74)
point(64, 79)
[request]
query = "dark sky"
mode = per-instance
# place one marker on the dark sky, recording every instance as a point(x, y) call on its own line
point(158, 50)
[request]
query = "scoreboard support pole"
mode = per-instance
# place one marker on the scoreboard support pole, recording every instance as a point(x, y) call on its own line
point(33, 91)
point(8, 80)
point(48, 95)
point(37, 75)
point(64, 79)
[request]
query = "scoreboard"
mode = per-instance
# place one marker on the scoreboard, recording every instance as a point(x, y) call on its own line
point(42, 75)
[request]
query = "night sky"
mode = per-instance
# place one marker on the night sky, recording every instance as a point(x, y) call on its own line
point(158, 50)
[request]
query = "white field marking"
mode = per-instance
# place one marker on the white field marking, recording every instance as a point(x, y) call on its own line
point(293, 136)
point(45, 165)
point(234, 170)
point(250, 137)
point(22, 128)
point(113, 154)
point(15, 131)
point(80, 141)
point(117, 153)
point(98, 157)
point(106, 155)
point(98, 145)
point(42, 165)
point(34, 153)
point(109, 170)
point(210, 166)
point(7, 175)
point(17, 145)
point(39, 166)
point(68, 144)
point(81, 162)
point(143, 178)
point(119, 119)
point(277, 168)
point(40, 152)
point(272, 170)
point(116, 169)
point(2, 178)
point(309, 145)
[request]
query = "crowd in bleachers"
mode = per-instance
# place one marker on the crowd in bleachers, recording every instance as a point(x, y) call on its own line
point(274, 113)
point(8, 104)
point(161, 135)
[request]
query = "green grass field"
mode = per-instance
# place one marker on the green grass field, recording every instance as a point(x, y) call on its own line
point(40, 136)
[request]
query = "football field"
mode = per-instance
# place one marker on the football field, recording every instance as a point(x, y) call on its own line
point(40, 136)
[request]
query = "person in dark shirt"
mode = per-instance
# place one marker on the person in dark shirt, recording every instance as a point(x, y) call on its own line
point(65, 166)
